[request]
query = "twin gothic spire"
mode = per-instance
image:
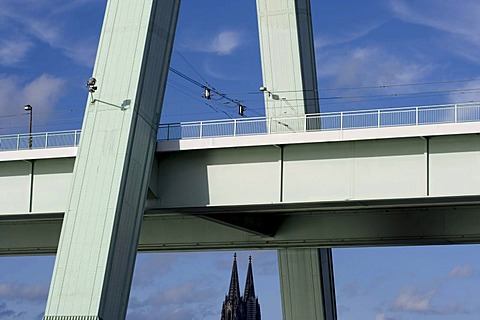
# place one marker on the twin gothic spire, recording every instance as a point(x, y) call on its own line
point(236, 307)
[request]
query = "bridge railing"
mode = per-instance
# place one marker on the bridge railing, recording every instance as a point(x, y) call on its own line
point(345, 120)
point(41, 140)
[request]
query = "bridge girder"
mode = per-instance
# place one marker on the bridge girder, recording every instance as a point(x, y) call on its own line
point(454, 221)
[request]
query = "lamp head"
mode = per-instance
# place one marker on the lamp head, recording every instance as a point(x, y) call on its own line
point(91, 85)
point(206, 93)
point(91, 82)
point(241, 109)
point(27, 107)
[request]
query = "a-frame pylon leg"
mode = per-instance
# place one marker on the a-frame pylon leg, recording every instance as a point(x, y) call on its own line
point(98, 244)
point(306, 283)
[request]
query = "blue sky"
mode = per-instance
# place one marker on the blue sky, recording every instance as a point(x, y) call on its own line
point(370, 54)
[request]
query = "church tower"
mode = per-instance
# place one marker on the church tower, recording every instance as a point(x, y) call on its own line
point(236, 307)
point(252, 307)
point(232, 306)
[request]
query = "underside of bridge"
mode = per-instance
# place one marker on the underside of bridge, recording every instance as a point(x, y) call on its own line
point(432, 221)
point(297, 231)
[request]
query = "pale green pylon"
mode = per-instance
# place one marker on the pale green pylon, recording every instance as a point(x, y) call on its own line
point(288, 65)
point(98, 244)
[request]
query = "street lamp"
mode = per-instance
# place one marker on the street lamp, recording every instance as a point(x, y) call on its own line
point(29, 109)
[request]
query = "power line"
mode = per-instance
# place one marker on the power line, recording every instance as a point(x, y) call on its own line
point(208, 89)
point(368, 87)
point(203, 102)
point(190, 65)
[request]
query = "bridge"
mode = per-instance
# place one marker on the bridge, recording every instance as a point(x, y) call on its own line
point(408, 184)
point(298, 181)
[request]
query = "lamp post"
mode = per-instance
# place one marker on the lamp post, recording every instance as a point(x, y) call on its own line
point(29, 109)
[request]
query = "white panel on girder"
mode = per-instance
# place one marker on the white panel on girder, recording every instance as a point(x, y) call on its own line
point(15, 187)
point(52, 184)
point(454, 165)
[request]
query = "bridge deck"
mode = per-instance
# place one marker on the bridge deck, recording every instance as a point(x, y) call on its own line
point(370, 186)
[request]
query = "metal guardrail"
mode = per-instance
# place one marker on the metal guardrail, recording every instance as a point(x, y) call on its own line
point(345, 120)
point(43, 140)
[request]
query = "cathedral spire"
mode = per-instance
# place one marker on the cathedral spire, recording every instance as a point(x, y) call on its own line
point(232, 308)
point(249, 286)
point(236, 307)
point(234, 290)
point(250, 302)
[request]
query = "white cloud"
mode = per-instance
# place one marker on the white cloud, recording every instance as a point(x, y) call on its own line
point(42, 93)
point(370, 66)
point(457, 23)
point(383, 316)
point(22, 292)
point(380, 316)
point(194, 299)
point(441, 15)
point(81, 51)
point(13, 51)
point(411, 300)
point(464, 271)
point(223, 43)
point(34, 23)
point(352, 35)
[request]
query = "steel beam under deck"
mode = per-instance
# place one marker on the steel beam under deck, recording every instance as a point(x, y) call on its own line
point(453, 220)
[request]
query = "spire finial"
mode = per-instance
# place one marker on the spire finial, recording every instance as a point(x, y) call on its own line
point(250, 259)
point(235, 256)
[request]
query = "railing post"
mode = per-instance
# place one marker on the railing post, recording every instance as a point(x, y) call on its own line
point(378, 118)
point(168, 132)
point(234, 127)
point(18, 142)
point(456, 113)
point(341, 120)
point(46, 140)
point(269, 123)
point(201, 128)
point(305, 124)
point(75, 138)
point(416, 116)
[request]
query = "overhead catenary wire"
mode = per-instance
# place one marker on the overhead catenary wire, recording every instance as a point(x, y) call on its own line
point(191, 66)
point(209, 88)
point(195, 98)
point(370, 87)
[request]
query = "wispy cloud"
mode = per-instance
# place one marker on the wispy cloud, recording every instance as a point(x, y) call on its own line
point(81, 51)
point(12, 51)
point(194, 299)
point(412, 300)
point(21, 292)
point(458, 23)
point(223, 43)
point(441, 15)
point(34, 23)
point(383, 316)
point(370, 65)
point(362, 30)
point(42, 92)
point(463, 271)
